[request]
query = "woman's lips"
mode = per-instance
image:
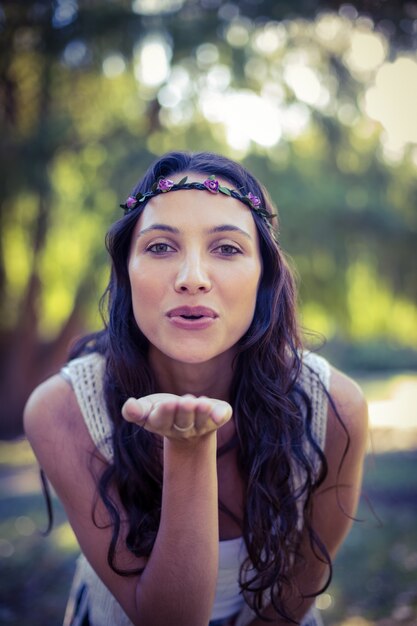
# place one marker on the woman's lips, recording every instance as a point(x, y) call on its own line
point(192, 317)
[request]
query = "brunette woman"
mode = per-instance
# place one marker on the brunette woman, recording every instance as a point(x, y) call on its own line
point(209, 466)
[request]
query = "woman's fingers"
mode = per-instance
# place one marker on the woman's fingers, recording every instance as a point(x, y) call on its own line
point(136, 410)
point(162, 416)
point(185, 415)
point(177, 416)
point(202, 414)
point(221, 412)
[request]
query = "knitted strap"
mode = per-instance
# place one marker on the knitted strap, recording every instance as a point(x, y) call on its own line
point(86, 374)
point(315, 379)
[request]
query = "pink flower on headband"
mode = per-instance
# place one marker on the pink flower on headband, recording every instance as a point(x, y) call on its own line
point(212, 185)
point(131, 202)
point(254, 200)
point(165, 184)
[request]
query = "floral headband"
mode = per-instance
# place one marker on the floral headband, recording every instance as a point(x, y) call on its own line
point(211, 184)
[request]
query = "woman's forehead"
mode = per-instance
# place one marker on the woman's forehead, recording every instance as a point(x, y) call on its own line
point(196, 207)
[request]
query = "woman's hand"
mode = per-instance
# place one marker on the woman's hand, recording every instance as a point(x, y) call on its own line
point(177, 417)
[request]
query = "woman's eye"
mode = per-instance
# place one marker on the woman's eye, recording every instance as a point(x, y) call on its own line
point(228, 250)
point(159, 248)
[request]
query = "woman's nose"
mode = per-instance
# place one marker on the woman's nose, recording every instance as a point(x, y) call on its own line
point(192, 276)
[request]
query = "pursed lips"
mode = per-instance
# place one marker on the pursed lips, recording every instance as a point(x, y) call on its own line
point(192, 312)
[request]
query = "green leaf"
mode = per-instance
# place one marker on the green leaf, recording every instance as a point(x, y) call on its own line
point(183, 180)
point(225, 190)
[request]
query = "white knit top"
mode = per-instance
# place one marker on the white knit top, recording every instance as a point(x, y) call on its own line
point(86, 376)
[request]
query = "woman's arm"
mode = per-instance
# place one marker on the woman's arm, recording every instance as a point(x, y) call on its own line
point(179, 579)
point(335, 503)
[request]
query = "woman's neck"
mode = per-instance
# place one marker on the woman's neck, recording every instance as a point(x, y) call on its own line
point(212, 378)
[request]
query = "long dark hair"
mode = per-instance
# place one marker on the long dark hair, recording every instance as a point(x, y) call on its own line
point(272, 412)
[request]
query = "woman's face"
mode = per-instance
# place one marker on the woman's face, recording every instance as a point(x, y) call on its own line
point(194, 268)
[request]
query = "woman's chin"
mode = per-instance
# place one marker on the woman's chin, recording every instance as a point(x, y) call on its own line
point(195, 357)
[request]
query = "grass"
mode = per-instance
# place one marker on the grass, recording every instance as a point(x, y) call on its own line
point(375, 572)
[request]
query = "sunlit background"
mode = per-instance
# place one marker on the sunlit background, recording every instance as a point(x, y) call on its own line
point(320, 102)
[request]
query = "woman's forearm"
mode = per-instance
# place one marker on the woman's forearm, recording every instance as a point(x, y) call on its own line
point(179, 581)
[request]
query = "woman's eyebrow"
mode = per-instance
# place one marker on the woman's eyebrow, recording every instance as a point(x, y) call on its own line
point(228, 227)
point(216, 229)
point(163, 227)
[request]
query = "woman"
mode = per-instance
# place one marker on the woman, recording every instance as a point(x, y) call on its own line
point(209, 467)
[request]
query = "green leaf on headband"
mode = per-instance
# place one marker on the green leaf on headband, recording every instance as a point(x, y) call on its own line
point(183, 180)
point(211, 177)
point(225, 190)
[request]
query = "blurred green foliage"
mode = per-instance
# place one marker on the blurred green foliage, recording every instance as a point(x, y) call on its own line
point(92, 92)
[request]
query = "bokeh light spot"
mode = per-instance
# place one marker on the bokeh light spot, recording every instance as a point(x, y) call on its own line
point(366, 52)
point(114, 65)
point(25, 526)
point(155, 7)
point(392, 101)
point(152, 60)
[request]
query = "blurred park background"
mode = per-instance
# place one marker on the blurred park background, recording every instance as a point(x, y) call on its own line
point(319, 99)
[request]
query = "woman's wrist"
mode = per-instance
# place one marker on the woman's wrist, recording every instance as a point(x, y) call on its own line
point(199, 442)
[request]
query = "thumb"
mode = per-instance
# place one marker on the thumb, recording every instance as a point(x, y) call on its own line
point(136, 409)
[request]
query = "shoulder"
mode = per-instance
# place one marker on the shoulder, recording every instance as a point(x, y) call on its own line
point(51, 406)
point(338, 396)
point(336, 500)
point(347, 404)
point(347, 430)
point(54, 426)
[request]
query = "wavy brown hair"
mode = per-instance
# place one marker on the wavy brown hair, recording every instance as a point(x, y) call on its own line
point(272, 412)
